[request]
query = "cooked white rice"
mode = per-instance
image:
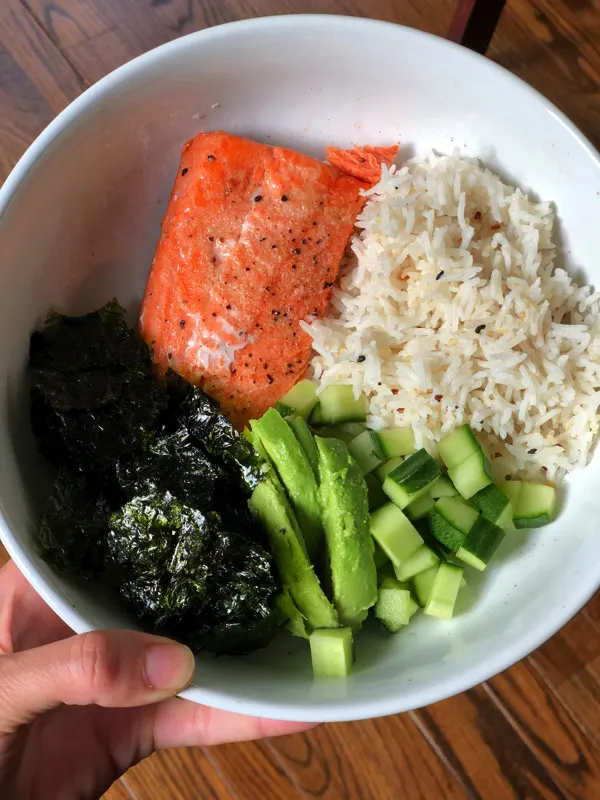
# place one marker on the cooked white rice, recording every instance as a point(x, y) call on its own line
point(453, 299)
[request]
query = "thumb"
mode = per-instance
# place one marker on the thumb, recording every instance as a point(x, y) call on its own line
point(106, 668)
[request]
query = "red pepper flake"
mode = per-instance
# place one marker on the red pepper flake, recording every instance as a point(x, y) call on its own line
point(400, 410)
point(395, 391)
point(496, 226)
point(439, 397)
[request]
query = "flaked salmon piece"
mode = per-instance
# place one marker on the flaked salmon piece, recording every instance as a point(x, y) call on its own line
point(250, 246)
point(364, 162)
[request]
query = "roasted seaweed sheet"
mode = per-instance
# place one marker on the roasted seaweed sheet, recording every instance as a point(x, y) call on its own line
point(151, 493)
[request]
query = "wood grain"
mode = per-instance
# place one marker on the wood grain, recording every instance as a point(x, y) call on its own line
point(176, 775)
point(532, 732)
point(351, 759)
point(35, 82)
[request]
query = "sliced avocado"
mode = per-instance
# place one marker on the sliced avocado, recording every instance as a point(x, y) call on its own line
point(343, 495)
point(296, 623)
point(307, 441)
point(295, 473)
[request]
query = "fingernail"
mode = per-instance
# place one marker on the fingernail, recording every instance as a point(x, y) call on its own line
point(168, 667)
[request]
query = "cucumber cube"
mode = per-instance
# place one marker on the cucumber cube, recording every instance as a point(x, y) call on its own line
point(535, 506)
point(302, 398)
point(494, 505)
point(450, 520)
point(375, 493)
point(444, 591)
point(316, 416)
point(339, 405)
point(411, 479)
point(394, 533)
point(480, 544)
point(397, 442)
point(394, 606)
point(456, 447)
point(365, 450)
point(420, 507)
point(422, 584)
point(388, 466)
point(332, 652)
point(512, 489)
point(421, 560)
point(443, 487)
point(472, 475)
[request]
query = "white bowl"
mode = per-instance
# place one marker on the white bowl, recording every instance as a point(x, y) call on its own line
point(79, 218)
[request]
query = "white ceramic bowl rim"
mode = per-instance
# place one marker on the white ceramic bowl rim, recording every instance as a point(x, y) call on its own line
point(352, 710)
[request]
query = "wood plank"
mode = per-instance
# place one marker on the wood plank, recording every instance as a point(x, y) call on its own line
point(554, 46)
point(483, 748)
point(35, 82)
point(570, 665)
point(177, 775)
point(373, 758)
point(253, 764)
point(100, 35)
point(118, 791)
point(544, 724)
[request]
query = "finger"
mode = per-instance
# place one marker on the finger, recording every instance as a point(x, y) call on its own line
point(179, 723)
point(25, 619)
point(106, 668)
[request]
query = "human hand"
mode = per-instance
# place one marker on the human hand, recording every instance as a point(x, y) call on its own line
point(77, 711)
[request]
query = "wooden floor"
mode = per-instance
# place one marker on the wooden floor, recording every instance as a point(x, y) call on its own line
point(532, 732)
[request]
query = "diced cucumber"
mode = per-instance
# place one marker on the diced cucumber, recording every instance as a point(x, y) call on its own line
point(332, 652)
point(388, 466)
point(473, 475)
point(444, 591)
point(306, 440)
point(394, 533)
point(411, 479)
point(285, 411)
point(379, 557)
point(353, 429)
point(365, 450)
point(397, 442)
point(316, 416)
point(512, 489)
point(457, 446)
point(480, 543)
point(420, 507)
point(422, 584)
point(421, 560)
point(302, 398)
point(377, 497)
point(494, 505)
point(451, 519)
point(535, 505)
point(443, 487)
point(394, 606)
point(345, 433)
point(339, 405)
point(458, 513)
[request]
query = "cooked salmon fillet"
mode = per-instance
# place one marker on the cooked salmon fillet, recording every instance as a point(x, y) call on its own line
point(250, 246)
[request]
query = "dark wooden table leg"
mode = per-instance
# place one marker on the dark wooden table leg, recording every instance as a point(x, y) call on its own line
point(474, 23)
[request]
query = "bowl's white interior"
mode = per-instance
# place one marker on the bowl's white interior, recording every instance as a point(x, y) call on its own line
point(79, 220)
